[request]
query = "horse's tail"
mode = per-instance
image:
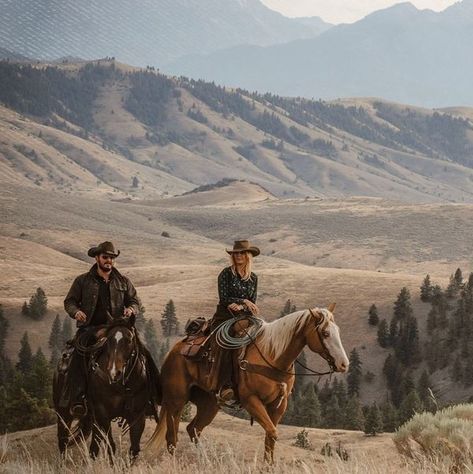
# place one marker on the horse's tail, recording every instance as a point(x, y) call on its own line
point(156, 442)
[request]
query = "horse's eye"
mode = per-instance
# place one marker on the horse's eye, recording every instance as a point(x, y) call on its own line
point(325, 333)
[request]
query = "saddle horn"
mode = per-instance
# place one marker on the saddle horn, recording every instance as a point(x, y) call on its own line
point(331, 307)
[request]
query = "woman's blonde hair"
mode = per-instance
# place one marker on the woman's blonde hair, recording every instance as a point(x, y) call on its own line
point(247, 266)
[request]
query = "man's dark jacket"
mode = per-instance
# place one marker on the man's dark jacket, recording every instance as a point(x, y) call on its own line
point(84, 293)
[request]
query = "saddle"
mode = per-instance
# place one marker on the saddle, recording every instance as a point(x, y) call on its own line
point(197, 340)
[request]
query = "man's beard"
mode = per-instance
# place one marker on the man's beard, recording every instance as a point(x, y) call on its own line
point(105, 269)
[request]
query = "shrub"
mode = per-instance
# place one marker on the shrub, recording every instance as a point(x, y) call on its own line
point(448, 435)
point(302, 440)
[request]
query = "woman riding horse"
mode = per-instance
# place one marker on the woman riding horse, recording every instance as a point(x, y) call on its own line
point(237, 290)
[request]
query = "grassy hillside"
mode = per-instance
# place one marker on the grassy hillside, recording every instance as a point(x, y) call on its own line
point(173, 135)
point(311, 254)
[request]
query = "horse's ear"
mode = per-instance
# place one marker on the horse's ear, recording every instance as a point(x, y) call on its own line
point(331, 307)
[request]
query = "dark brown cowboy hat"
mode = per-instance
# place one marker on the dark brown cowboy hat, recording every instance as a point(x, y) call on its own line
point(104, 248)
point(244, 246)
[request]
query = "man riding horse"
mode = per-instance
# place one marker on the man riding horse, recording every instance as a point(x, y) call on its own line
point(97, 298)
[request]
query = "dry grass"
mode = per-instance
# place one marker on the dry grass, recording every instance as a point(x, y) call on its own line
point(223, 451)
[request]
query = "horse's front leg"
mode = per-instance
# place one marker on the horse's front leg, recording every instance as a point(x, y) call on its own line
point(102, 431)
point(275, 411)
point(258, 411)
point(137, 425)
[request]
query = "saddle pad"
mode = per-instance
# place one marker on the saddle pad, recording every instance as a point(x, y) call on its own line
point(195, 347)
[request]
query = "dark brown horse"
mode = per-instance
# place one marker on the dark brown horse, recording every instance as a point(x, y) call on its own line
point(118, 386)
point(265, 376)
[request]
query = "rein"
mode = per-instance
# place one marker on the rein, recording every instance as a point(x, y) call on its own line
point(246, 366)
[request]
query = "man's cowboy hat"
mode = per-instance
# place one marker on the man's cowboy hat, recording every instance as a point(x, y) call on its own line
point(106, 248)
point(244, 246)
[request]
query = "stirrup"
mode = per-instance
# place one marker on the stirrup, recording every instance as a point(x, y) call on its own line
point(79, 409)
point(226, 396)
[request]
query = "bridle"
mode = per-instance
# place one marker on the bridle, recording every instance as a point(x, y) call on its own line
point(318, 327)
point(95, 351)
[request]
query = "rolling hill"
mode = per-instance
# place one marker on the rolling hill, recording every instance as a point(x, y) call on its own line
point(98, 126)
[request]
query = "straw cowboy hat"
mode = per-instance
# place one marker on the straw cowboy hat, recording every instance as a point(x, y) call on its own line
point(106, 248)
point(244, 246)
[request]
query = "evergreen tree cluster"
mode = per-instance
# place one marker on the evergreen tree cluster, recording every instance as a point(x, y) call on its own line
point(402, 333)
point(26, 388)
point(59, 335)
point(450, 329)
point(37, 306)
point(44, 92)
point(149, 96)
point(147, 329)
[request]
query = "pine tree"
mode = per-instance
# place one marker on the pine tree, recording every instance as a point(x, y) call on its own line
point(24, 309)
point(40, 377)
point(66, 332)
point(457, 370)
point(410, 406)
point(432, 319)
point(407, 347)
point(354, 418)
point(38, 304)
point(25, 356)
point(423, 385)
point(163, 351)
point(383, 336)
point(55, 337)
point(151, 340)
point(354, 374)
point(455, 284)
point(333, 417)
point(373, 318)
point(390, 417)
point(169, 322)
point(393, 331)
point(140, 320)
point(426, 289)
point(374, 421)
point(288, 309)
point(402, 306)
point(3, 331)
point(311, 407)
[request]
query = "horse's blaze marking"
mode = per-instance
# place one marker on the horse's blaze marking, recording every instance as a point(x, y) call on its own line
point(118, 337)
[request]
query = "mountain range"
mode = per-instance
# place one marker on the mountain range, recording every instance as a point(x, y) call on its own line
point(143, 32)
point(401, 53)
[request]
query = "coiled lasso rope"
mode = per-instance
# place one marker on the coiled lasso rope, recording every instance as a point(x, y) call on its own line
point(224, 338)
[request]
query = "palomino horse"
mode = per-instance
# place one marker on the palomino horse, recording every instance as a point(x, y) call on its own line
point(265, 378)
point(118, 387)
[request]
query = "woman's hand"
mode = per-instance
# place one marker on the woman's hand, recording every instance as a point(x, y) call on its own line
point(235, 307)
point(252, 307)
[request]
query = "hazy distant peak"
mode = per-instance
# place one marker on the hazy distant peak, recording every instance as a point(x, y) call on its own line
point(395, 12)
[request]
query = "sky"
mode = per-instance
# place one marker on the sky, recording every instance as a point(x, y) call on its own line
point(345, 11)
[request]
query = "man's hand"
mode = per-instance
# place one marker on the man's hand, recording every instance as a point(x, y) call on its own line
point(80, 316)
point(128, 312)
point(252, 307)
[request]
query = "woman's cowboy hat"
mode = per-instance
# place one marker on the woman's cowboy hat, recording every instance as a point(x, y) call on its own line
point(244, 246)
point(104, 248)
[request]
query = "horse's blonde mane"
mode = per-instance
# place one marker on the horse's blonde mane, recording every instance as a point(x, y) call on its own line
point(277, 335)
